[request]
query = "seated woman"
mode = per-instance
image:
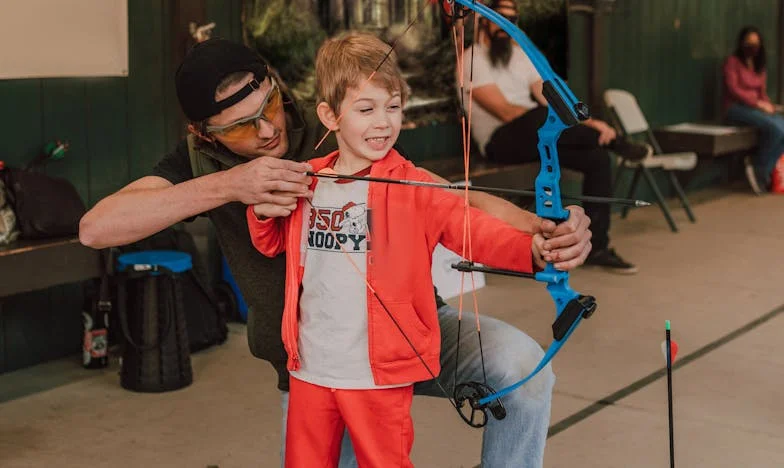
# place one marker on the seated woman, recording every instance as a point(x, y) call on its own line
point(746, 102)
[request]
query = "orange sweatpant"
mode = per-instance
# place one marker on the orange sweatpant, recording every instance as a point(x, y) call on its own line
point(379, 422)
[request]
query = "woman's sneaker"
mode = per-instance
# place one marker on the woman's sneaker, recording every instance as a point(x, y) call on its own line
point(610, 261)
point(630, 150)
point(751, 175)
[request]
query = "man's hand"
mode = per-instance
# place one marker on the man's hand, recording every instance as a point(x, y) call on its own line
point(567, 244)
point(606, 132)
point(270, 182)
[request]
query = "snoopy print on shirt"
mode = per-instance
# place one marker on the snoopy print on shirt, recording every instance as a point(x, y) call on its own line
point(329, 228)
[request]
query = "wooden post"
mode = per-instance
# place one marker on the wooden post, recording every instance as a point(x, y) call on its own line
point(356, 18)
point(597, 60)
point(337, 19)
point(780, 93)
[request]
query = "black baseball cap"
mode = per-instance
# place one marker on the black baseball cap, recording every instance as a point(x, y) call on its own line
point(205, 66)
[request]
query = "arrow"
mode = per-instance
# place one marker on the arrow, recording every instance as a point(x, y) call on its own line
point(474, 188)
point(670, 349)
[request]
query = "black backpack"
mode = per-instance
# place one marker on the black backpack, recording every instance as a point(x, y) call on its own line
point(206, 325)
point(45, 206)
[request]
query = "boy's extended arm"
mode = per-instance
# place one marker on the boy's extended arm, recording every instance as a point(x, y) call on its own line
point(493, 241)
point(498, 207)
point(268, 235)
point(568, 243)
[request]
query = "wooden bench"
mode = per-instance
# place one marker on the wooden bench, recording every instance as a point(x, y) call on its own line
point(712, 140)
point(707, 139)
point(30, 265)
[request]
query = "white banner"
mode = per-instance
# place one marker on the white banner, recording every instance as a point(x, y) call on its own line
point(63, 38)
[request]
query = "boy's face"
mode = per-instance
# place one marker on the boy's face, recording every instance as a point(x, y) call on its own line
point(371, 122)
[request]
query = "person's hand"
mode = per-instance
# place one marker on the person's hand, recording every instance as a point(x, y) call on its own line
point(537, 247)
point(272, 185)
point(766, 107)
point(275, 210)
point(567, 244)
point(606, 132)
point(778, 108)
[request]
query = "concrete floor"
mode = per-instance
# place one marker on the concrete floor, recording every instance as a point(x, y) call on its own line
point(719, 281)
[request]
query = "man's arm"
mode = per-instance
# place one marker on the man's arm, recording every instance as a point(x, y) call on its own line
point(537, 93)
point(152, 203)
point(493, 101)
point(147, 206)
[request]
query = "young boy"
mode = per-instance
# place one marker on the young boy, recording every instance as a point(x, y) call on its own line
point(359, 255)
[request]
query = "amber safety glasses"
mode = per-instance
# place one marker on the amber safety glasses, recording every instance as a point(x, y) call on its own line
point(246, 127)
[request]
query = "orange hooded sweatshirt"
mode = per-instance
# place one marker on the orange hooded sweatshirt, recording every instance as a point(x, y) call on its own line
point(405, 225)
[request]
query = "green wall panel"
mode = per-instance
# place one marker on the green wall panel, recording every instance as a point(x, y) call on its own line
point(23, 126)
point(37, 327)
point(146, 122)
point(579, 56)
point(63, 112)
point(227, 18)
point(669, 52)
point(106, 124)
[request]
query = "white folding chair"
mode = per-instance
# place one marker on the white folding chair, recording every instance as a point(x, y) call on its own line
point(631, 121)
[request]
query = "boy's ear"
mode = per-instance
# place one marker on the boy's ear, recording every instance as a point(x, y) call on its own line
point(327, 116)
point(195, 131)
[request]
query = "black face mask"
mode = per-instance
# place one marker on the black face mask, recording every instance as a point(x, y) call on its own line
point(500, 48)
point(750, 51)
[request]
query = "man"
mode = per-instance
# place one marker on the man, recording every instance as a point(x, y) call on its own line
point(245, 131)
point(509, 109)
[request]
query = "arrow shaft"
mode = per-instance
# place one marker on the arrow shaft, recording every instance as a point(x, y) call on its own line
point(476, 188)
point(669, 397)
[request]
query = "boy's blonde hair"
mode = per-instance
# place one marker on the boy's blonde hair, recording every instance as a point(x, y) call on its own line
point(347, 60)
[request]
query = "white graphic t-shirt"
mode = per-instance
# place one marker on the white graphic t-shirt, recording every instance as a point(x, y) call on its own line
point(333, 326)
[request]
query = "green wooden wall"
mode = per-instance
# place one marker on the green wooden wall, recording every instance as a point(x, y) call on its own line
point(669, 52)
point(118, 128)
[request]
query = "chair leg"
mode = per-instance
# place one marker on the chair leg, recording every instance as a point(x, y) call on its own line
point(632, 190)
point(660, 199)
point(682, 195)
point(618, 173)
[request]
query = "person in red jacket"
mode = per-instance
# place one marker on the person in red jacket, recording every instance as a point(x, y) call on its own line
point(746, 102)
point(359, 323)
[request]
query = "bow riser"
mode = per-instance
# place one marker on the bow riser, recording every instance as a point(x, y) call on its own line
point(547, 184)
